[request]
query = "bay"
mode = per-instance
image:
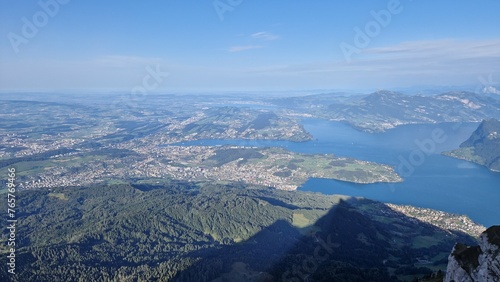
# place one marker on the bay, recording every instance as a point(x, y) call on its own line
point(431, 180)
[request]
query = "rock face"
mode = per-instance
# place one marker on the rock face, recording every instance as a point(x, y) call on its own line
point(476, 263)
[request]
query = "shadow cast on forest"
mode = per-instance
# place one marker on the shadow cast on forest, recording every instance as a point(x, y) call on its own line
point(345, 244)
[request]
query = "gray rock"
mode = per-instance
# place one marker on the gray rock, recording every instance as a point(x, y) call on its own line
point(476, 263)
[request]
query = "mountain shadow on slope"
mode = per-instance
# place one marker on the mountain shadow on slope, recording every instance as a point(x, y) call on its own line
point(133, 232)
point(346, 244)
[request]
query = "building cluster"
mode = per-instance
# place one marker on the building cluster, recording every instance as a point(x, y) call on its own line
point(442, 219)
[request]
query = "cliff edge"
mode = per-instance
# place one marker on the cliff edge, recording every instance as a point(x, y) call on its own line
point(476, 263)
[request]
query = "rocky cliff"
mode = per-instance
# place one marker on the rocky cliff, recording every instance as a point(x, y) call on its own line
point(476, 263)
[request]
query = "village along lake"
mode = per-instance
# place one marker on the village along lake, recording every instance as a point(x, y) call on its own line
point(431, 180)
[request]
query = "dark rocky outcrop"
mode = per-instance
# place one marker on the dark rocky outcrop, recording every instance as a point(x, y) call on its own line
point(476, 263)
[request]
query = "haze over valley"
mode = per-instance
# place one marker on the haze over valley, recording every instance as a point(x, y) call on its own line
point(249, 141)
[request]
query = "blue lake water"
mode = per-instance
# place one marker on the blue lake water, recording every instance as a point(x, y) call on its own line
point(430, 179)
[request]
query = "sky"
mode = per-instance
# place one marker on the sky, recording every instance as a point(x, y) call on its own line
point(246, 45)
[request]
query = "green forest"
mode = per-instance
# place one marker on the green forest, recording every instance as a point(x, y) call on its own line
point(180, 231)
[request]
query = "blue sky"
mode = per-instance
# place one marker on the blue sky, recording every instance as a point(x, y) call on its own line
point(247, 44)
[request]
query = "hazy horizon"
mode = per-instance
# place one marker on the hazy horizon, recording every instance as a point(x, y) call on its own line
point(247, 45)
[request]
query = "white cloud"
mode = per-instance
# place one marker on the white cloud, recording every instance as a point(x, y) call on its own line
point(437, 48)
point(491, 89)
point(441, 57)
point(243, 48)
point(265, 36)
point(258, 36)
point(435, 62)
point(438, 62)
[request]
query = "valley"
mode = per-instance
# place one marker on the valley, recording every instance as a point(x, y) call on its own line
point(159, 189)
point(250, 141)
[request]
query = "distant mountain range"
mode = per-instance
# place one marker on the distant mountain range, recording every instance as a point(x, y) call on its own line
point(483, 146)
point(383, 110)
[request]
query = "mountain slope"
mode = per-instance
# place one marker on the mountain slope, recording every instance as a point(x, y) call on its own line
point(199, 232)
point(483, 146)
point(383, 109)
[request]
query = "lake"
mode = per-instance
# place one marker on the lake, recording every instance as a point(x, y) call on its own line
point(431, 180)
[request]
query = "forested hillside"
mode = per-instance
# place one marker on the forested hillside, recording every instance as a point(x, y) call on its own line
point(190, 232)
